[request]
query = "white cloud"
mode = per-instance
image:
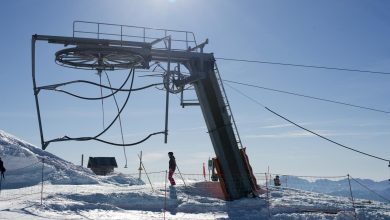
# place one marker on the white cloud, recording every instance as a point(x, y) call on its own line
point(278, 126)
point(189, 129)
point(153, 157)
point(294, 134)
point(285, 125)
point(325, 133)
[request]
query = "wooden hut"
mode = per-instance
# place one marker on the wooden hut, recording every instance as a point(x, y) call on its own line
point(102, 165)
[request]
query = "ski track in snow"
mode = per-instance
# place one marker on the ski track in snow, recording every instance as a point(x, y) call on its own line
point(74, 192)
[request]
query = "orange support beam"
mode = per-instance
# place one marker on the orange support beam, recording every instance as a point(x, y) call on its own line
point(220, 177)
point(255, 187)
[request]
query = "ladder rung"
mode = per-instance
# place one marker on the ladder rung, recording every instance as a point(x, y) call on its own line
point(227, 107)
point(190, 104)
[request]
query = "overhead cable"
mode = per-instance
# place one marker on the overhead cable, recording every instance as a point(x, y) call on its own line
point(312, 132)
point(96, 137)
point(303, 65)
point(372, 191)
point(101, 95)
point(118, 115)
point(120, 120)
point(109, 95)
point(54, 88)
point(307, 96)
point(128, 144)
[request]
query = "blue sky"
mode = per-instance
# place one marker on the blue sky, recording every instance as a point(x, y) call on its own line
point(350, 34)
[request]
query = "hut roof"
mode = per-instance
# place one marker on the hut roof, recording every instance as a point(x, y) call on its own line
point(102, 161)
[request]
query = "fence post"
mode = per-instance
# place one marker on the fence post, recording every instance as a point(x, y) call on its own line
point(353, 202)
point(140, 166)
point(43, 165)
point(165, 199)
point(204, 172)
point(266, 187)
point(286, 181)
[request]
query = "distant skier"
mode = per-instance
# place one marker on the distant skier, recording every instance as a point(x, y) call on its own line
point(172, 168)
point(2, 168)
point(277, 181)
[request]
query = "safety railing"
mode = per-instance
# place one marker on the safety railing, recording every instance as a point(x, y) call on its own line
point(180, 40)
point(228, 108)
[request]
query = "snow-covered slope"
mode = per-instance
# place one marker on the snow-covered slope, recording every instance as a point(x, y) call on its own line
point(23, 162)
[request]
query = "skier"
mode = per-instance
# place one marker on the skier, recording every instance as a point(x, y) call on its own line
point(2, 169)
point(172, 168)
point(277, 181)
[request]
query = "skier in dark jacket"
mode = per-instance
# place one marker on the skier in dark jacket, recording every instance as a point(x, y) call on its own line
point(172, 168)
point(277, 181)
point(2, 168)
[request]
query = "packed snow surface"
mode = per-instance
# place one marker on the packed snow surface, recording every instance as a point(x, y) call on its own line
point(108, 201)
point(74, 192)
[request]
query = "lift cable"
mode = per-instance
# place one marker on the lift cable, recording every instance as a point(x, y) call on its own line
point(307, 96)
point(303, 65)
point(117, 116)
point(130, 144)
point(109, 126)
point(120, 120)
point(107, 96)
point(55, 88)
point(299, 126)
point(389, 170)
point(372, 191)
point(101, 94)
point(96, 137)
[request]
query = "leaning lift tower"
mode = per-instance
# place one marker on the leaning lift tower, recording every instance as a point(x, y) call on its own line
point(139, 48)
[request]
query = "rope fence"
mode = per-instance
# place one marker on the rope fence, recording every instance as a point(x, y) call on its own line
point(195, 184)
